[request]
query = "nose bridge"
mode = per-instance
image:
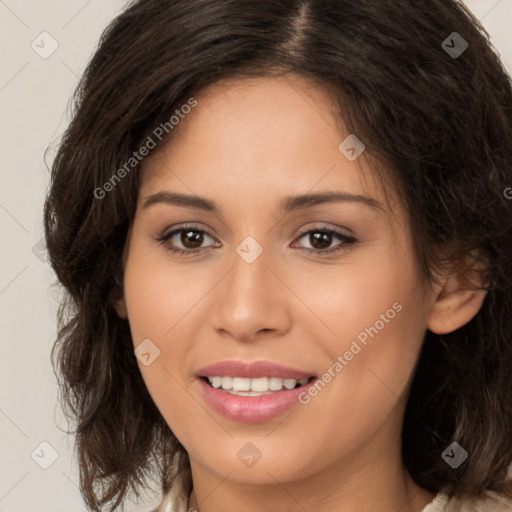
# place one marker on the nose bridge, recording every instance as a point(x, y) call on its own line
point(249, 299)
point(248, 281)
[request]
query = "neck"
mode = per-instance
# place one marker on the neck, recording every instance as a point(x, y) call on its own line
point(369, 478)
point(411, 498)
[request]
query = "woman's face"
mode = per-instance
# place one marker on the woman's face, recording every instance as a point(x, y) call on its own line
point(326, 289)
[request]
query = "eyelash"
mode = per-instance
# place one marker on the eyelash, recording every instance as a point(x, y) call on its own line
point(347, 241)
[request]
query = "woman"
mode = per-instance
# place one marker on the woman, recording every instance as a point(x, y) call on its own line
point(284, 233)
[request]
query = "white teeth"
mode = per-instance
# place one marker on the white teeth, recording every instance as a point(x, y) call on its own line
point(253, 387)
point(226, 382)
point(240, 384)
point(275, 383)
point(289, 383)
point(247, 393)
point(260, 384)
point(216, 382)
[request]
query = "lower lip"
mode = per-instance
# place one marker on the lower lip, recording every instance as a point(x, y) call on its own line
point(252, 409)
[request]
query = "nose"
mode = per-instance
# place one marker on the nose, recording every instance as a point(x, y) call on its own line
point(252, 301)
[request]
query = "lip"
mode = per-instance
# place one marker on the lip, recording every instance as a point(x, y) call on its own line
point(252, 370)
point(252, 409)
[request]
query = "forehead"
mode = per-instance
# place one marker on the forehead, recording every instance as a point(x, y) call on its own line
point(259, 137)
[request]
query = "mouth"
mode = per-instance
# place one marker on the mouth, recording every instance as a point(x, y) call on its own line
point(252, 392)
point(242, 386)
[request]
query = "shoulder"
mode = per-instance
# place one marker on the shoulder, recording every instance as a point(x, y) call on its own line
point(176, 500)
point(491, 502)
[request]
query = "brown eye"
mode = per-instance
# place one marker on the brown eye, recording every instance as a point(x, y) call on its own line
point(185, 240)
point(321, 239)
point(191, 239)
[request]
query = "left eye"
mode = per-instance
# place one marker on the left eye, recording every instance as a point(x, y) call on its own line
point(192, 238)
point(322, 238)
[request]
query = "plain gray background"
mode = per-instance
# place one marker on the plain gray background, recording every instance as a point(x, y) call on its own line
point(35, 89)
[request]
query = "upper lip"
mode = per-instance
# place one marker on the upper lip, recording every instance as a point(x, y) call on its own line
point(252, 370)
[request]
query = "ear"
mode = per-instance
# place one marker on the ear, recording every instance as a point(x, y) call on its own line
point(459, 299)
point(120, 307)
point(116, 298)
point(118, 302)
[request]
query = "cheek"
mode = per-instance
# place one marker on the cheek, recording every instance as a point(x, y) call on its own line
point(371, 292)
point(159, 294)
point(160, 299)
point(375, 322)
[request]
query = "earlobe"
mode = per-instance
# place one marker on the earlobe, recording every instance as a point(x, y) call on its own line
point(118, 302)
point(120, 307)
point(117, 299)
point(456, 304)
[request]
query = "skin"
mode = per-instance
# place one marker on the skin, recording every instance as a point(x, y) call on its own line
point(247, 144)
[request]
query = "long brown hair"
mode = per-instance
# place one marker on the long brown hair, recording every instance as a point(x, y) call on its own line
point(439, 112)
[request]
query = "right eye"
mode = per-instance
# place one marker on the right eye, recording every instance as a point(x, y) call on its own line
point(190, 237)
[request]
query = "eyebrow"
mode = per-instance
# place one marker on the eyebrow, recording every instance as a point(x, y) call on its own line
point(287, 205)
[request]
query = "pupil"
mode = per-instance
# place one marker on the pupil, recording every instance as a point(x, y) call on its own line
point(317, 237)
point(198, 237)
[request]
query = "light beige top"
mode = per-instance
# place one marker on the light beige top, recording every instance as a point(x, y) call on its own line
point(492, 502)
